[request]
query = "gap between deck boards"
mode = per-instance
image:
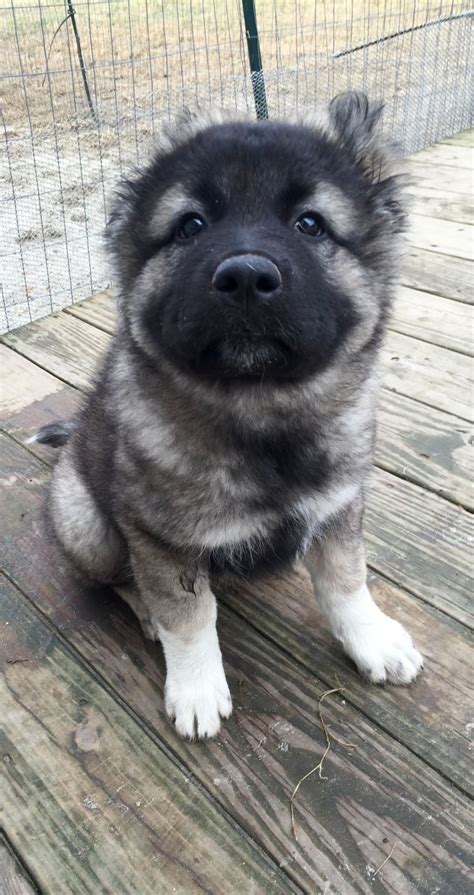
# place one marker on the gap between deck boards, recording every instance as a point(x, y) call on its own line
point(92, 629)
point(322, 838)
point(191, 810)
point(68, 346)
point(250, 608)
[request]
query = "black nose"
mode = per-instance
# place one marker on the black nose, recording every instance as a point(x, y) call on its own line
point(245, 277)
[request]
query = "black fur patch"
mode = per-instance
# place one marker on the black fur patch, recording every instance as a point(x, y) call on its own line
point(278, 550)
point(55, 434)
point(284, 462)
point(253, 179)
point(170, 440)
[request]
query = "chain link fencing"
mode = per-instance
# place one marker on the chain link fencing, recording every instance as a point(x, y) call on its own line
point(85, 86)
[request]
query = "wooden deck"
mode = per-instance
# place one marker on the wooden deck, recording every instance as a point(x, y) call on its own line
point(99, 795)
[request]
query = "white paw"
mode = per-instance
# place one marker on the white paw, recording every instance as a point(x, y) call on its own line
point(197, 706)
point(383, 650)
point(196, 691)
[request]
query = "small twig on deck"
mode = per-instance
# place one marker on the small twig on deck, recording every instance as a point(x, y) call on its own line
point(384, 862)
point(329, 735)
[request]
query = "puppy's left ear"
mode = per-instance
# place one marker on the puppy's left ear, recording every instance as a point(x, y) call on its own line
point(354, 121)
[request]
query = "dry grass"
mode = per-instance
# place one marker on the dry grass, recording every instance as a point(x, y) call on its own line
point(144, 59)
point(140, 52)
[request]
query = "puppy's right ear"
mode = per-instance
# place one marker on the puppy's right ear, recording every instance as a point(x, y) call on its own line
point(354, 122)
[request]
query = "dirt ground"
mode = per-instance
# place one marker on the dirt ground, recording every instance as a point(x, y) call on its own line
point(143, 61)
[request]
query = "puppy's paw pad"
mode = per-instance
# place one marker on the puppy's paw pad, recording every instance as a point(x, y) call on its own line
point(384, 652)
point(197, 706)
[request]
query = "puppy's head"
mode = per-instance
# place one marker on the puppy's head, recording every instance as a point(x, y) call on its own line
point(250, 250)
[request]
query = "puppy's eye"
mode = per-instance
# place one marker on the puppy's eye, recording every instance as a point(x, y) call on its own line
point(311, 223)
point(190, 226)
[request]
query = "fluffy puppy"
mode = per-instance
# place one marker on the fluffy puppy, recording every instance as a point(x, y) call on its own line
point(231, 426)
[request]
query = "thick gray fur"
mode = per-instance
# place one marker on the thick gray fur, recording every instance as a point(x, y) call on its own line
point(173, 472)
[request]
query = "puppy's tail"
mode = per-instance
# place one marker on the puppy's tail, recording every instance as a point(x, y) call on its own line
point(54, 434)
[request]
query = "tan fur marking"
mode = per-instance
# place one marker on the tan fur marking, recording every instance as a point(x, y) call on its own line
point(335, 206)
point(173, 204)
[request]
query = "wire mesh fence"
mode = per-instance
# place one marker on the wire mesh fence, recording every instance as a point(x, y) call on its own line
point(85, 85)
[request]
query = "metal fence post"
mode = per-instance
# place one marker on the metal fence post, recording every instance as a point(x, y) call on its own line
point(255, 59)
point(71, 14)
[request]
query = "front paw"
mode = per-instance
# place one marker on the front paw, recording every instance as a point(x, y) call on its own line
point(197, 702)
point(383, 651)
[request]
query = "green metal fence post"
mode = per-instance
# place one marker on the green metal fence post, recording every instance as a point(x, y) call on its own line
point(255, 59)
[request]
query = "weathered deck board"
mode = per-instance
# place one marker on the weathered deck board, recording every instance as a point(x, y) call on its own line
point(22, 384)
point(439, 274)
point(444, 237)
point(441, 204)
point(430, 318)
point(62, 345)
point(98, 311)
point(25, 498)
point(425, 174)
point(422, 543)
point(426, 446)
point(454, 155)
point(423, 717)
point(13, 878)
point(89, 797)
point(433, 375)
point(411, 367)
point(274, 737)
point(416, 442)
point(394, 505)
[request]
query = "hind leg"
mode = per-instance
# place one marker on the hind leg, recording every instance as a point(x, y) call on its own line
point(90, 541)
point(131, 595)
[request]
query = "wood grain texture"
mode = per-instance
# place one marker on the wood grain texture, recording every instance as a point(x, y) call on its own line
point(426, 446)
point(274, 736)
point(19, 388)
point(440, 203)
point(95, 803)
point(443, 440)
point(440, 274)
point(441, 236)
point(424, 174)
point(31, 561)
point(62, 345)
point(428, 373)
point(454, 155)
point(421, 542)
point(417, 442)
point(432, 717)
point(418, 370)
point(32, 398)
point(14, 879)
point(431, 318)
point(99, 311)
